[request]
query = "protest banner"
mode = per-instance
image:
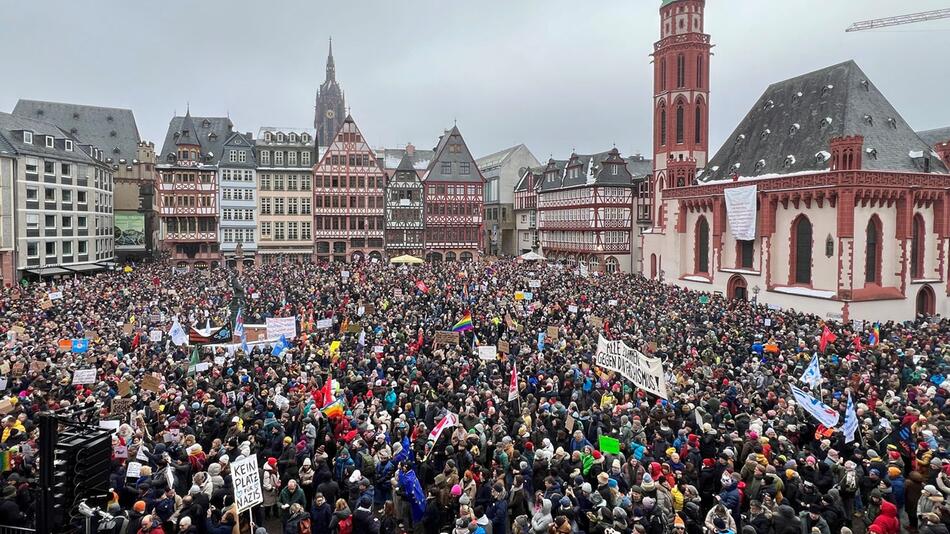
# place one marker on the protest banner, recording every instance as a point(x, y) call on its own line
point(487, 352)
point(247, 483)
point(152, 383)
point(323, 324)
point(503, 347)
point(646, 373)
point(445, 338)
point(281, 326)
point(84, 376)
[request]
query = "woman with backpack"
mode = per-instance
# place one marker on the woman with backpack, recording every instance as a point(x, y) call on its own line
point(342, 522)
point(298, 522)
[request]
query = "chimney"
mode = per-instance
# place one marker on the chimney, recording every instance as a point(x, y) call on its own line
point(410, 149)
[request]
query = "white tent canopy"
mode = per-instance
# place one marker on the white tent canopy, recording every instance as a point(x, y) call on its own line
point(532, 256)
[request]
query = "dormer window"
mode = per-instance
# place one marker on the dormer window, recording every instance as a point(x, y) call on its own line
point(892, 122)
point(827, 89)
point(866, 85)
point(212, 136)
point(206, 123)
point(759, 165)
point(869, 120)
point(789, 161)
point(740, 139)
point(304, 138)
point(825, 122)
point(769, 105)
point(796, 97)
point(280, 137)
point(793, 129)
point(68, 145)
point(292, 138)
point(822, 156)
point(765, 133)
point(614, 170)
point(76, 116)
point(871, 152)
point(736, 166)
point(49, 141)
point(267, 136)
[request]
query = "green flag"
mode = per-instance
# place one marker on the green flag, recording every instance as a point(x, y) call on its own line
point(609, 445)
point(704, 299)
point(193, 363)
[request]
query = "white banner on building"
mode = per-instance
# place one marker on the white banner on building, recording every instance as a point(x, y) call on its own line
point(281, 326)
point(646, 373)
point(740, 208)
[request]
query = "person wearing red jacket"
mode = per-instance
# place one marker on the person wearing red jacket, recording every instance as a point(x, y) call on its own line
point(886, 522)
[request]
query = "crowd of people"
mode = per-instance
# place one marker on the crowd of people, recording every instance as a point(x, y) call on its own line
point(727, 452)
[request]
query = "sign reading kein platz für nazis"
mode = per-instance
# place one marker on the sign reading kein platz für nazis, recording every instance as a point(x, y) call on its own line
point(646, 373)
point(247, 483)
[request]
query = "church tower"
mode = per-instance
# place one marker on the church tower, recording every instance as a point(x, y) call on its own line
point(681, 96)
point(330, 106)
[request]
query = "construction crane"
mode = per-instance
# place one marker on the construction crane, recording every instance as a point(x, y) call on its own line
point(897, 21)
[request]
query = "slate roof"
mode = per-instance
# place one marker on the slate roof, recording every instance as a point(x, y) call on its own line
point(498, 158)
point(592, 171)
point(937, 135)
point(236, 141)
point(5, 147)
point(522, 184)
point(795, 119)
point(111, 130)
point(392, 157)
point(10, 123)
point(442, 154)
point(221, 127)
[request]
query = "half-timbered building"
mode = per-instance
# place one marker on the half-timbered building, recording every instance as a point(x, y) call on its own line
point(188, 190)
point(453, 198)
point(526, 210)
point(348, 204)
point(585, 210)
point(405, 224)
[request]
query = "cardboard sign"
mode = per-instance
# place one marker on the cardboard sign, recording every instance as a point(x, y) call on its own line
point(4, 368)
point(353, 329)
point(38, 366)
point(5, 406)
point(84, 376)
point(323, 324)
point(124, 388)
point(503, 347)
point(487, 352)
point(595, 321)
point(445, 338)
point(151, 383)
point(247, 483)
point(92, 335)
point(121, 407)
point(552, 332)
point(397, 292)
point(46, 305)
point(18, 368)
point(18, 329)
point(127, 329)
point(370, 309)
point(569, 424)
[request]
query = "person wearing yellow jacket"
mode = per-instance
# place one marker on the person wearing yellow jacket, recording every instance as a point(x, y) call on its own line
point(11, 427)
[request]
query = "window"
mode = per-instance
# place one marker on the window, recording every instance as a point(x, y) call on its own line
point(28, 138)
point(305, 206)
point(49, 167)
point(50, 248)
point(67, 221)
point(267, 136)
point(265, 229)
point(699, 125)
point(699, 71)
point(918, 234)
point(292, 158)
point(31, 193)
point(49, 194)
point(278, 182)
point(702, 246)
point(32, 250)
point(801, 250)
point(872, 251)
point(465, 168)
point(81, 197)
point(305, 157)
point(292, 231)
point(83, 247)
point(232, 156)
point(746, 254)
point(662, 126)
point(278, 206)
point(242, 156)
point(447, 167)
point(278, 231)
point(305, 182)
point(292, 182)
point(265, 156)
point(82, 222)
point(265, 182)
point(680, 71)
point(278, 157)
point(663, 74)
point(280, 137)
point(305, 231)
point(49, 141)
point(680, 133)
point(68, 145)
point(67, 248)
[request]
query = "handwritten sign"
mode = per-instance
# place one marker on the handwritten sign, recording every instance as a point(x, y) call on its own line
point(534, 283)
point(151, 383)
point(572, 309)
point(121, 407)
point(133, 470)
point(595, 321)
point(84, 376)
point(487, 352)
point(323, 324)
point(503, 347)
point(552, 332)
point(445, 338)
point(155, 336)
point(247, 483)
point(124, 388)
point(55, 295)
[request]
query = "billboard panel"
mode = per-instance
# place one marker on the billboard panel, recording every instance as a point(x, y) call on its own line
point(129, 230)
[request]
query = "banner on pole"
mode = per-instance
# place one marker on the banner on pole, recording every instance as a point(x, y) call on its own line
point(646, 373)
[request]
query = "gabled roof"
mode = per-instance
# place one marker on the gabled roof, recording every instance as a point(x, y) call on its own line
point(498, 158)
point(794, 121)
point(522, 184)
point(405, 172)
point(13, 143)
point(937, 135)
point(592, 171)
point(239, 140)
point(6, 148)
point(444, 154)
point(392, 157)
point(112, 130)
point(557, 166)
point(211, 131)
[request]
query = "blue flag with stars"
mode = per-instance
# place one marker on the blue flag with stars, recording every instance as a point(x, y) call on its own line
point(417, 498)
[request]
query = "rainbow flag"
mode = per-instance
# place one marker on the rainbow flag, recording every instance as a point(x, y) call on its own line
point(334, 409)
point(5, 461)
point(464, 324)
point(875, 336)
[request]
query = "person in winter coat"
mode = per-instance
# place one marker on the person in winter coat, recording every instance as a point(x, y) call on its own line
point(296, 515)
point(306, 479)
point(542, 518)
point(930, 500)
point(364, 522)
point(785, 521)
point(320, 514)
point(722, 513)
point(289, 496)
point(759, 519)
point(498, 511)
point(897, 487)
point(729, 496)
point(151, 525)
point(270, 484)
point(340, 514)
point(886, 522)
point(930, 524)
point(812, 519)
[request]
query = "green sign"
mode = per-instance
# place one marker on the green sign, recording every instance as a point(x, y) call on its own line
point(609, 445)
point(129, 230)
point(704, 299)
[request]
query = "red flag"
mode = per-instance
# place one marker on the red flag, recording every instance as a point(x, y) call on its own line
point(513, 384)
point(857, 343)
point(326, 392)
point(422, 286)
point(826, 337)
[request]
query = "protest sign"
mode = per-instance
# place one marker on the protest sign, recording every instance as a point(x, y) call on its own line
point(55, 295)
point(323, 324)
point(120, 407)
point(503, 347)
point(124, 388)
point(247, 483)
point(646, 373)
point(487, 352)
point(572, 309)
point(255, 295)
point(155, 336)
point(534, 283)
point(595, 321)
point(552, 332)
point(445, 338)
point(84, 376)
point(38, 365)
point(609, 445)
point(152, 383)
point(281, 326)
point(133, 470)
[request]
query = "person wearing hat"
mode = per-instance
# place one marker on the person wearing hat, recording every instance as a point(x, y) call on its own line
point(270, 486)
point(931, 500)
point(811, 519)
point(10, 513)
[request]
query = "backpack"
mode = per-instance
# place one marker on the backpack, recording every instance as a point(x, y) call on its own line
point(367, 462)
point(345, 526)
point(304, 526)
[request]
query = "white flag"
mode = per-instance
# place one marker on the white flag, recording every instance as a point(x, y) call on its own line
point(584, 271)
point(177, 333)
point(850, 422)
point(448, 421)
point(812, 374)
point(816, 408)
point(362, 340)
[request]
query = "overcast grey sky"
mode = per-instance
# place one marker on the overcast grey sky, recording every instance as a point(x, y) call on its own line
point(553, 74)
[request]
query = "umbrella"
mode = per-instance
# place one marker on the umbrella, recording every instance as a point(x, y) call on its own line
point(532, 256)
point(412, 260)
